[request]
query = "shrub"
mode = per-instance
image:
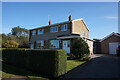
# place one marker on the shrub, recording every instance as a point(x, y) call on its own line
point(10, 44)
point(49, 62)
point(80, 49)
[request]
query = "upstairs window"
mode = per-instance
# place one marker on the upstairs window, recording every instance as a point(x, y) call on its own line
point(54, 29)
point(40, 31)
point(40, 44)
point(64, 27)
point(54, 44)
point(83, 33)
point(34, 32)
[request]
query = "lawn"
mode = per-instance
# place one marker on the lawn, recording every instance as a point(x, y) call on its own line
point(10, 71)
point(71, 64)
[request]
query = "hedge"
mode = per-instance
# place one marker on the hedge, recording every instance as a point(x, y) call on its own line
point(50, 62)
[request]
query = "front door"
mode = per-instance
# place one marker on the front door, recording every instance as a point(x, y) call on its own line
point(66, 46)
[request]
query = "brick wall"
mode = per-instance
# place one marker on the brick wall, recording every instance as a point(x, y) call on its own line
point(50, 35)
point(79, 27)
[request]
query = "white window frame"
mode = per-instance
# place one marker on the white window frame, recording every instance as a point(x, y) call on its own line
point(54, 29)
point(40, 44)
point(31, 46)
point(55, 44)
point(40, 32)
point(34, 32)
point(64, 27)
point(83, 33)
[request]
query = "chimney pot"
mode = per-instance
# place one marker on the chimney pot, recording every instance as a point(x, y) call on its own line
point(70, 18)
point(50, 22)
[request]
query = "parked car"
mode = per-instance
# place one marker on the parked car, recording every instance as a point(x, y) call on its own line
point(118, 51)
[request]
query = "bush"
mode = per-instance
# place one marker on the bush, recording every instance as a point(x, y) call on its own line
point(10, 44)
point(49, 62)
point(80, 49)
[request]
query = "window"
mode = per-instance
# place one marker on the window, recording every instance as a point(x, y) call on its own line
point(40, 44)
point(40, 31)
point(54, 44)
point(34, 32)
point(83, 33)
point(64, 27)
point(54, 29)
point(32, 46)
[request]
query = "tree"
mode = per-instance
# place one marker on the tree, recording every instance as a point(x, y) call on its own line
point(4, 37)
point(17, 31)
point(80, 48)
point(19, 35)
point(10, 44)
point(9, 37)
point(23, 35)
point(24, 42)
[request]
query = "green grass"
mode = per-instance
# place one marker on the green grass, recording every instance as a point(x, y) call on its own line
point(36, 78)
point(71, 64)
point(7, 75)
point(9, 71)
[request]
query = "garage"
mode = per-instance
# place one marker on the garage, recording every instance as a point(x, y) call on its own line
point(113, 47)
point(109, 44)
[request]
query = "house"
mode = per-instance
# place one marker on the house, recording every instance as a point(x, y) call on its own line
point(108, 45)
point(60, 35)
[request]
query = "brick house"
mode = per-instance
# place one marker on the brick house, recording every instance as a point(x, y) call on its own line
point(108, 45)
point(60, 35)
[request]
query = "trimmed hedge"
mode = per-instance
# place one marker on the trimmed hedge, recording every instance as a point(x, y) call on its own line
point(50, 62)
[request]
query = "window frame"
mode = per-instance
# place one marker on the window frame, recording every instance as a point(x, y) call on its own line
point(83, 33)
point(33, 32)
point(40, 44)
point(32, 46)
point(54, 43)
point(40, 32)
point(64, 27)
point(54, 29)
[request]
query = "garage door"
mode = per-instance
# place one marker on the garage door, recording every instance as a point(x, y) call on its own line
point(112, 48)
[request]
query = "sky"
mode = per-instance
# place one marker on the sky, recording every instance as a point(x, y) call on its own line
point(101, 18)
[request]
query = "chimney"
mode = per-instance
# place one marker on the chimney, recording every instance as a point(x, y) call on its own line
point(50, 22)
point(70, 18)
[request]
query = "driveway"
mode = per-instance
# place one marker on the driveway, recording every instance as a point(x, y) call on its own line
point(100, 66)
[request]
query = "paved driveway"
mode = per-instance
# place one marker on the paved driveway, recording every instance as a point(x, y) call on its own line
point(100, 66)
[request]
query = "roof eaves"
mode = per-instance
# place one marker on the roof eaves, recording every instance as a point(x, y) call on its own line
point(81, 19)
point(109, 36)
